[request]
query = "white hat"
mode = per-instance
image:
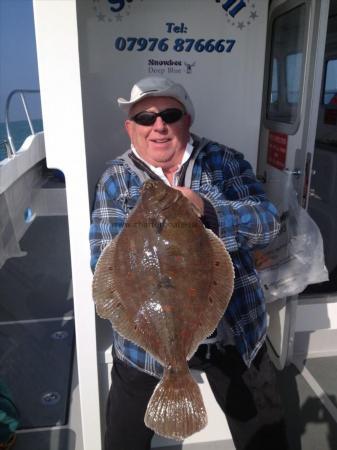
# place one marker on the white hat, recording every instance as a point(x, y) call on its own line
point(157, 87)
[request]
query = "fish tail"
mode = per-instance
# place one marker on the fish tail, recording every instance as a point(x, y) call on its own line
point(176, 409)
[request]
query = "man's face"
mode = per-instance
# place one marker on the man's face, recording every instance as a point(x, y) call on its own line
point(160, 144)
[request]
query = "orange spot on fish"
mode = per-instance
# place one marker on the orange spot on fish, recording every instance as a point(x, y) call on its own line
point(167, 308)
point(184, 333)
point(192, 292)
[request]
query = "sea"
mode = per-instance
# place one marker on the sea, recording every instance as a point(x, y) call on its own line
point(19, 131)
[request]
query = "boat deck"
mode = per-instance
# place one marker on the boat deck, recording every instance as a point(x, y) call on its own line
point(37, 354)
point(309, 391)
point(309, 394)
point(37, 324)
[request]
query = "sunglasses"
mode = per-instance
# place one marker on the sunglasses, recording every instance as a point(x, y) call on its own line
point(147, 118)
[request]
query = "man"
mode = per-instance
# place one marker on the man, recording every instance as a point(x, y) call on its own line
point(221, 185)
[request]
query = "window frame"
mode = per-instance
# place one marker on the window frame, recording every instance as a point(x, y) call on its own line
point(268, 122)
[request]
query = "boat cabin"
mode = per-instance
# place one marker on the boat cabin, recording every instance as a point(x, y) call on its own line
point(263, 79)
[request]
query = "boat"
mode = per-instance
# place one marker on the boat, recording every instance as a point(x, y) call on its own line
point(267, 72)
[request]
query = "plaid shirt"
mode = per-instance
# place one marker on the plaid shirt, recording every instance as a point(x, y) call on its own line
point(246, 221)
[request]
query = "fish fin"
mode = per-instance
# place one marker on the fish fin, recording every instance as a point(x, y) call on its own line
point(223, 274)
point(106, 297)
point(220, 292)
point(176, 409)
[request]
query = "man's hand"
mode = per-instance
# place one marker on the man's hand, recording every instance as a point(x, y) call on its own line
point(194, 198)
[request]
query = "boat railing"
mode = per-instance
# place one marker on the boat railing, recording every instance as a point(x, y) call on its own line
point(9, 142)
point(8, 149)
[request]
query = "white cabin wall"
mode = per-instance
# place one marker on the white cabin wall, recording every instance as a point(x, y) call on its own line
point(226, 88)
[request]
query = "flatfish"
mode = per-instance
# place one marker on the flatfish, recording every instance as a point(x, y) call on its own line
point(164, 283)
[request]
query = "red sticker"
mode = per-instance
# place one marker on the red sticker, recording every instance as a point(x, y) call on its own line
point(277, 149)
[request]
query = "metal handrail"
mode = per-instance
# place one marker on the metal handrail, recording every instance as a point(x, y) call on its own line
point(8, 148)
point(11, 151)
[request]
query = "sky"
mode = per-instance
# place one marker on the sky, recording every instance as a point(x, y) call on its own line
point(18, 61)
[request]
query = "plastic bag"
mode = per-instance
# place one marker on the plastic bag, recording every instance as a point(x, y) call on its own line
point(295, 258)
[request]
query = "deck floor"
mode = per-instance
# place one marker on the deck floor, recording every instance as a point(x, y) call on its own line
point(311, 421)
point(310, 425)
point(38, 285)
point(35, 295)
point(37, 324)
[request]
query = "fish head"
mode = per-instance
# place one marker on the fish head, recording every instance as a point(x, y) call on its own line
point(156, 196)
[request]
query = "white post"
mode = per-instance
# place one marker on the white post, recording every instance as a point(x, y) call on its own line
point(60, 85)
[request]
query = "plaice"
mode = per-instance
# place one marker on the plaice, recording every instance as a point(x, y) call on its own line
point(164, 283)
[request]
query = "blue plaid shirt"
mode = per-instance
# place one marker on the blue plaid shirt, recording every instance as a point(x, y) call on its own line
point(246, 221)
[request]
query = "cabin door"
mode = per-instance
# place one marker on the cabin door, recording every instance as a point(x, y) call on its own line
point(292, 89)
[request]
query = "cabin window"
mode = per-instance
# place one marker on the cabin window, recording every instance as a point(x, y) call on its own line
point(330, 85)
point(293, 77)
point(274, 84)
point(286, 71)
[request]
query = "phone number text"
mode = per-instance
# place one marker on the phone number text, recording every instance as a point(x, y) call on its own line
point(178, 45)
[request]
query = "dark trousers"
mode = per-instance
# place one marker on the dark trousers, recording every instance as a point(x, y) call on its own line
point(249, 398)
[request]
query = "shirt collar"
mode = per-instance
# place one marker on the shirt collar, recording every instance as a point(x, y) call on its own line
point(158, 170)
